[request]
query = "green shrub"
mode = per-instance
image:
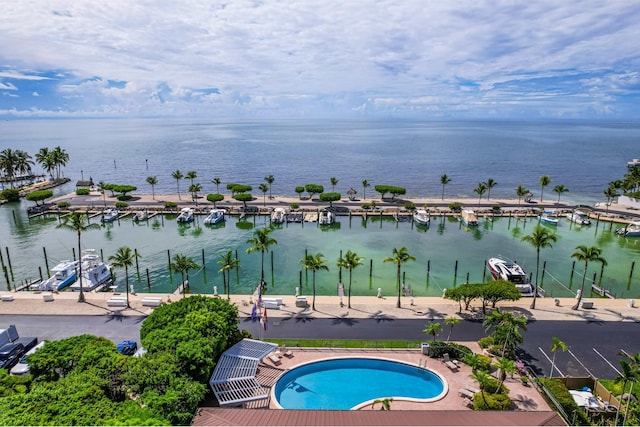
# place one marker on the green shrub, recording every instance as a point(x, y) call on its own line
point(39, 195)
point(494, 402)
point(455, 207)
point(485, 342)
point(496, 208)
point(82, 191)
point(564, 398)
point(10, 195)
point(294, 205)
point(170, 205)
point(455, 350)
point(485, 362)
point(63, 205)
point(492, 386)
point(366, 206)
point(410, 206)
point(123, 197)
point(122, 205)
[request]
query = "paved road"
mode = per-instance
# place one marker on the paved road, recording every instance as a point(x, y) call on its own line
point(593, 345)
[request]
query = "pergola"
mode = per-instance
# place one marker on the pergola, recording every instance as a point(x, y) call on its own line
point(234, 379)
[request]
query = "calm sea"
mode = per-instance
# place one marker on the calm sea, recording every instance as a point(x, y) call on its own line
point(583, 156)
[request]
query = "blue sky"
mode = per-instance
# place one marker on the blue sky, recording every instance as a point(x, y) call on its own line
point(321, 58)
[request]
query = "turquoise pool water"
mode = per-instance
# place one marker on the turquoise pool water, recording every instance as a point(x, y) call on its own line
point(345, 383)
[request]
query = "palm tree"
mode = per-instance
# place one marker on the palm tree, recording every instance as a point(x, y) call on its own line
point(521, 191)
point(194, 189)
point(365, 185)
point(102, 186)
point(152, 180)
point(350, 261)
point(191, 175)
point(59, 157)
point(270, 179)
point(8, 159)
point(334, 182)
point(632, 373)
point(385, 404)
point(557, 345)
point(586, 254)
point(124, 258)
point(490, 183)
point(261, 242)
point(451, 322)
point(539, 238)
point(264, 188)
point(23, 162)
point(506, 366)
point(78, 222)
point(628, 374)
point(480, 190)
point(483, 379)
point(177, 175)
point(399, 257)
point(433, 329)
point(506, 327)
point(182, 264)
point(544, 181)
point(44, 158)
point(228, 263)
point(444, 180)
point(314, 263)
point(559, 190)
point(610, 193)
point(217, 182)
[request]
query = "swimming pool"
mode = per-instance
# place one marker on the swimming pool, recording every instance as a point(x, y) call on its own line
point(353, 382)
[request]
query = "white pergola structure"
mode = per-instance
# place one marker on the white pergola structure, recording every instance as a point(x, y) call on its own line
point(234, 378)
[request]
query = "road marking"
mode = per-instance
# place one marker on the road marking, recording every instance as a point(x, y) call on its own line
point(605, 359)
point(555, 368)
point(581, 364)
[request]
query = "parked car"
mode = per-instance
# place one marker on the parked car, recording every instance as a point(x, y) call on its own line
point(127, 347)
point(22, 367)
point(10, 354)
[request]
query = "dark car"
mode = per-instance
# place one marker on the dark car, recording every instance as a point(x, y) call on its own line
point(127, 347)
point(10, 354)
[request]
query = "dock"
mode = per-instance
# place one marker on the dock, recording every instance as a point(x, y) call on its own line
point(602, 292)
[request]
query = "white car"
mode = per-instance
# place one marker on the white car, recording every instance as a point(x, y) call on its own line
point(22, 367)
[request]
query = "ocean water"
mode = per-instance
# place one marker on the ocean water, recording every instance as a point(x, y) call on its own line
point(583, 156)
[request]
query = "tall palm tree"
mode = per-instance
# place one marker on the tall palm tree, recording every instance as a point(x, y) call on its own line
point(480, 190)
point(334, 182)
point(59, 158)
point(182, 264)
point(557, 345)
point(152, 180)
point(559, 190)
point(269, 179)
point(228, 262)
point(506, 366)
point(490, 183)
point(628, 375)
point(78, 222)
point(261, 242)
point(365, 185)
point(177, 175)
point(264, 188)
point(544, 181)
point(350, 261)
point(521, 191)
point(433, 329)
point(483, 379)
point(217, 182)
point(102, 186)
point(451, 322)
point(610, 193)
point(44, 158)
point(124, 258)
point(586, 254)
point(444, 180)
point(539, 238)
point(399, 257)
point(8, 160)
point(506, 329)
point(191, 175)
point(194, 189)
point(632, 373)
point(314, 263)
point(23, 162)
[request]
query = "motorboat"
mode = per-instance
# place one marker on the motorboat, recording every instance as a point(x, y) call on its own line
point(64, 274)
point(215, 216)
point(326, 217)
point(94, 272)
point(141, 216)
point(510, 271)
point(630, 230)
point(279, 215)
point(421, 216)
point(579, 217)
point(109, 215)
point(469, 218)
point(186, 215)
point(549, 218)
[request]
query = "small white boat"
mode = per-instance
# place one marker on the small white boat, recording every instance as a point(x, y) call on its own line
point(215, 216)
point(510, 271)
point(186, 215)
point(469, 218)
point(94, 272)
point(141, 216)
point(630, 230)
point(579, 217)
point(110, 215)
point(326, 217)
point(64, 274)
point(548, 217)
point(421, 216)
point(279, 215)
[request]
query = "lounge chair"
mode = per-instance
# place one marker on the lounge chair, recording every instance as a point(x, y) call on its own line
point(472, 388)
point(447, 361)
point(467, 394)
point(274, 359)
point(284, 352)
point(468, 403)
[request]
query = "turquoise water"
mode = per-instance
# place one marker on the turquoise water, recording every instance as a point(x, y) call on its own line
point(341, 384)
point(436, 248)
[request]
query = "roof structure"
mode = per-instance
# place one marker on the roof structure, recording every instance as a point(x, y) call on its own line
point(234, 379)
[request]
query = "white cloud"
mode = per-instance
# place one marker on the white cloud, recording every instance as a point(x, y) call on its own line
point(7, 86)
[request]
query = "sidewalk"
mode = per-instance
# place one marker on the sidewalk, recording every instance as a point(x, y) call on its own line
point(362, 307)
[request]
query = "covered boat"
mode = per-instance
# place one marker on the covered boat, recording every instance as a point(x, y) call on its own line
point(579, 217)
point(215, 216)
point(510, 271)
point(469, 218)
point(326, 217)
point(94, 272)
point(64, 274)
point(421, 216)
point(279, 215)
point(109, 215)
point(186, 215)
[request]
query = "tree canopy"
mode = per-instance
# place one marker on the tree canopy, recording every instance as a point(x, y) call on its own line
point(39, 195)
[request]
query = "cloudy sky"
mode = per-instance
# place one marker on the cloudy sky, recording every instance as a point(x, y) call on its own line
point(321, 58)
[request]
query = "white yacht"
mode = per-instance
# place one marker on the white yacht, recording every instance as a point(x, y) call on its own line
point(510, 271)
point(279, 215)
point(579, 217)
point(548, 217)
point(64, 274)
point(215, 216)
point(326, 217)
point(94, 272)
point(141, 215)
point(186, 215)
point(421, 216)
point(630, 230)
point(469, 218)
point(110, 215)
